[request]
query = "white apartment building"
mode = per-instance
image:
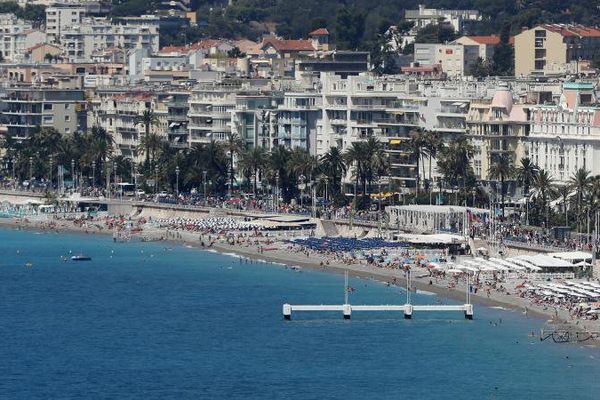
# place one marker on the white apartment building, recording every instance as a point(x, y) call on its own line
point(389, 109)
point(565, 136)
point(59, 18)
point(428, 16)
point(456, 60)
point(119, 114)
point(210, 111)
point(16, 36)
point(93, 34)
point(297, 120)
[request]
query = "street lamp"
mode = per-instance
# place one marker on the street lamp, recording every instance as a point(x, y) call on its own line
point(177, 180)
point(155, 179)
point(204, 172)
point(135, 176)
point(50, 174)
point(30, 171)
point(93, 174)
point(73, 173)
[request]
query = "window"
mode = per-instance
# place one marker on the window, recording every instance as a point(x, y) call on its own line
point(67, 118)
point(48, 119)
point(540, 64)
point(47, 106)
point(540, 53)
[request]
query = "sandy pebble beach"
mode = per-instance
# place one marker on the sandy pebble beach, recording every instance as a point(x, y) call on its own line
point(273, 248)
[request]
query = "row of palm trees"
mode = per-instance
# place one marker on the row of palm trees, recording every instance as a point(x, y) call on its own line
point(229, 163)
point(221, 165)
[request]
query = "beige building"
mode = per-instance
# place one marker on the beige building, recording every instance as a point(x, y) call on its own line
point(455, 59)
point(486, 44)
point(43, 52)
point(551, 49)
point(497, 128)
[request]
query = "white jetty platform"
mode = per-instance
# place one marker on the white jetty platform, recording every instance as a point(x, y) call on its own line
point(407, 309)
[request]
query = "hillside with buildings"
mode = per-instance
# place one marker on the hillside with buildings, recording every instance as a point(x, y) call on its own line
point(437, 104)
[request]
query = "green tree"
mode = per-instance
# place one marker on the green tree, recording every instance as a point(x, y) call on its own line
point(254, 160)
point(349, 28)
point(546, 189)
point(502, 169)
point(503, 58)
point(147, 119)
point(580, 183)
point(333, 166)
point(436, 33)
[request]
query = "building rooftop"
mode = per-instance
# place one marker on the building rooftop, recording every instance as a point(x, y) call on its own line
point(573, 30)
point(289, 45)
point(319, 32)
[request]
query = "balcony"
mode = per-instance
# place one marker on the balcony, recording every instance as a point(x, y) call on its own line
point(396, 121)
point(177, 117)
point(178, 104)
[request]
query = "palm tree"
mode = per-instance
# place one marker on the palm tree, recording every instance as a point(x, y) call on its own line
point(151, 144)
point(147, 118)
point(544, 185)
point(376, 160)
point(502, 170)
point(254, 160)
point(417, 146)
point(355, 156)
point(278, 165)
point(455, 162)
point(234, 146)
point(432, 145)
point(526, 173)
point(100, 145)
point(333, 166)
point(580, 183)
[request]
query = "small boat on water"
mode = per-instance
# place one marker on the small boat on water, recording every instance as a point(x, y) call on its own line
point(81, 257)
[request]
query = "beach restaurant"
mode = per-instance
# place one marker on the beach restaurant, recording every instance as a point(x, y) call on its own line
point(433, 219)
point(551, 264)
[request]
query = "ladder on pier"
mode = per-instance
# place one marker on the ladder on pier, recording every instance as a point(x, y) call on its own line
point(407, 309)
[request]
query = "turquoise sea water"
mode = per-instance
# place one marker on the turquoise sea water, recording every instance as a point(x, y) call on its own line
point(145, 321)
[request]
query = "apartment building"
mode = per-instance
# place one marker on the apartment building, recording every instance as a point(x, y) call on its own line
point(496, 128)
point(565, 135)
point(176, 102)
point(30, 108)
point(210, 110)
point(486, 44)
point(16, 36)
point(456, 60)
point(553, 48)
point(61, 17)
point(93, 34)
point(118, 112)
point(254, 118)
point(423, 17)
point(297, 120)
